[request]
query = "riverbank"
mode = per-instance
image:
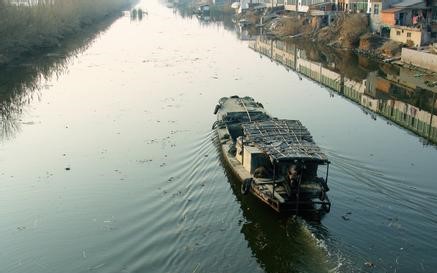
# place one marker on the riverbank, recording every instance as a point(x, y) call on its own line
point(27, 30)
point(345, 31)
point(21, 80)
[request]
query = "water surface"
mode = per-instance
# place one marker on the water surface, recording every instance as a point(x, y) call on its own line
point(108, 162)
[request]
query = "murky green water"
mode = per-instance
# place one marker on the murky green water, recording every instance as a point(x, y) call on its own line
point(108, 163)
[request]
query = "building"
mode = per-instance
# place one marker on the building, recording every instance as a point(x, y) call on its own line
point(246, 4)
point(409, 22)
point(352, 5)
point(374, 9)
point(307, 5)
point(274, 3)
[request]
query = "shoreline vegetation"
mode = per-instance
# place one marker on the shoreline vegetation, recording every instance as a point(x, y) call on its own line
point(22, 82)
point(28, 29)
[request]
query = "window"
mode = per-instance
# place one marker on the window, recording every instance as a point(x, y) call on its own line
point(376, 9)
point(409, 34)
point(398, 33)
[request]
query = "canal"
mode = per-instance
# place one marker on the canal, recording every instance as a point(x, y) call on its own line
point(108, 162)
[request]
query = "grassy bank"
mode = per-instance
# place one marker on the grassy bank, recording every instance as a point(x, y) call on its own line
point(22, 82)
point(25, 30)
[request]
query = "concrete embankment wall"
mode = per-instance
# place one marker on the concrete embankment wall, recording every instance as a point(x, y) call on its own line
point(419, 59)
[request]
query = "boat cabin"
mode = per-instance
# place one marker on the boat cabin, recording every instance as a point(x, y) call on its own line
point(282, 156)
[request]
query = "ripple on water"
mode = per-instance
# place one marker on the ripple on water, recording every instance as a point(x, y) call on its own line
point(188, 214)
point(386, 211)
point(385, 188)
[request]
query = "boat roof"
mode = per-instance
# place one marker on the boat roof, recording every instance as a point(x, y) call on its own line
point(237, 104)
point(283, 140)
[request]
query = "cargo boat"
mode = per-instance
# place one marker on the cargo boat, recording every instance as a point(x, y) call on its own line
point(276, 160)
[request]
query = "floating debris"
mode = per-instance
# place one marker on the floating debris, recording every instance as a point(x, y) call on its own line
point(369, 264)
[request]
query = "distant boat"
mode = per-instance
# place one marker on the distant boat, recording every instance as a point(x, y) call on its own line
point(275, 159)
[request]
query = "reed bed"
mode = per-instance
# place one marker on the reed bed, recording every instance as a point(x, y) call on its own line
point(30, 27)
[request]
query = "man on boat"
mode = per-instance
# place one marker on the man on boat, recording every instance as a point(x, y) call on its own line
point(292, 179)
point(294, 171)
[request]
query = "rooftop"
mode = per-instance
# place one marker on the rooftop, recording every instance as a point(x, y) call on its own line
point(410, 4)
point(393, 10)
point(283, 140)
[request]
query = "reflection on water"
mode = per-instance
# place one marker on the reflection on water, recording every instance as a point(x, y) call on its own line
point(403, 96)
point(145, 190)
point(213, 17)
point(20, 83)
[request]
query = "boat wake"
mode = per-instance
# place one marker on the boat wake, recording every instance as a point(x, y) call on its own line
point(370, 183)
point(318, 236)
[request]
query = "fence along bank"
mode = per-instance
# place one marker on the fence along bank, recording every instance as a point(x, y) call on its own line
point(401, 95)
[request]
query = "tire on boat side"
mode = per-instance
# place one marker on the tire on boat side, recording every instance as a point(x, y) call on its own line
point(322, 195)
point(326, 207)
point(245, 186)
point(217, 107)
